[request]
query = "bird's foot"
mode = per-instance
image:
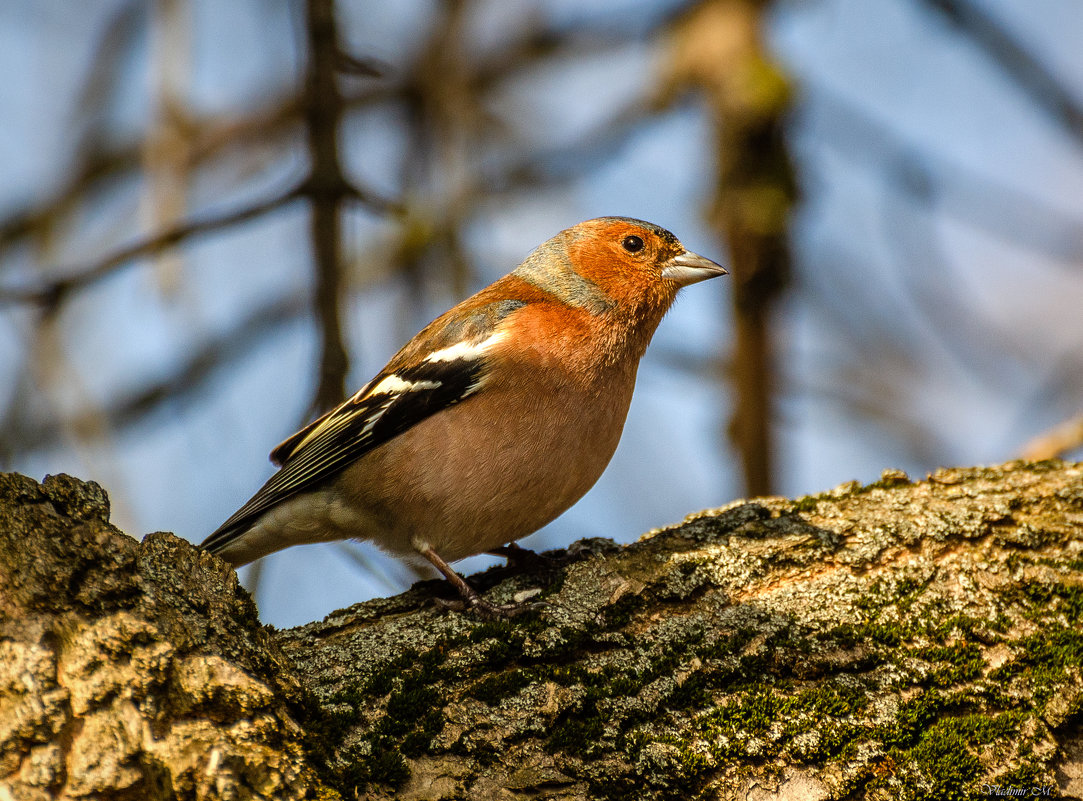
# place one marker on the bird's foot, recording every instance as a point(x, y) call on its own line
point(469, 600)
point(487, 611)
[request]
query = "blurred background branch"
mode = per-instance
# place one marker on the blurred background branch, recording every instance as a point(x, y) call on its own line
point(1058, 441)
point(719, 48)
point(326, 188)
point(54, 291)
point(1025, 66)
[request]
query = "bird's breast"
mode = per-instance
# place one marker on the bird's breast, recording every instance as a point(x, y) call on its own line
point(494, 468)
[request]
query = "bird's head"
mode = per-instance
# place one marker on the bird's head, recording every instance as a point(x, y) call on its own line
point(617, 264)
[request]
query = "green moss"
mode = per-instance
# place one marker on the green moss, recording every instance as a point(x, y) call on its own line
point(692, 693)
point(1045, 465)
point(693, 762)
point(884, 593)
point(577, 732)
point(615, 789)
point(419, 741)
point(386, 765)
point(333, 720)
point(380, 682)
point(942, 745)
point(913, 718)
point(886, 482)
point(960, 662)
point(625, 683)
point(807, 503)
point(946, 762)
point(1043, 660)
point(567, 646)
point(1023, 776)
point(755, 688)
point(430, 661)
point(749, 715)
point(620, 613)
point(981, 729)
point(890, 480)
point(848, 635)
point(414, 716)
point(829, 699)
point(966, 627)
point(410, 707)
point(832, 740)
point(504, 651)
point(1041, 598)
point(494, 689)
point(735, 688)
point(775, 718)
point(492, 630)
point(724, 645)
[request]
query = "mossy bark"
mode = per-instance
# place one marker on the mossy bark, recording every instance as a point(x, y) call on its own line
point(898, 640)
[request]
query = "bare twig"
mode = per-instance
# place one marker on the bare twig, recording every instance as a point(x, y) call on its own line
point(101, 167)
point(186, 383)
point(91, 162)
point(165, 157)
point(1015, 61)
point(546, 166)
point(1068, 436)
point(53, 292)
point(966, 194)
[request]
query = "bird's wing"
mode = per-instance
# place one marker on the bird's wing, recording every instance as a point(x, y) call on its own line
point(416, 384)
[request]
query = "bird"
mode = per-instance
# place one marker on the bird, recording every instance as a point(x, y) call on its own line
point(491, 422)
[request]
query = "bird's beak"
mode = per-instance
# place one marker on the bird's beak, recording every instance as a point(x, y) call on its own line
point(690, 268)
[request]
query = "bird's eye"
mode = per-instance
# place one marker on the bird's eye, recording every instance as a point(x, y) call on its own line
point(633, 244)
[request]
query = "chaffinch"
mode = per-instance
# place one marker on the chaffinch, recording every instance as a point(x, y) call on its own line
point(489, 423)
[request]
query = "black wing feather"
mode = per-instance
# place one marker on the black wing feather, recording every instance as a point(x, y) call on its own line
point(348, 433)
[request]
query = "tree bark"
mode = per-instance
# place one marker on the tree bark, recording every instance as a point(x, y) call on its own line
point(897, 640)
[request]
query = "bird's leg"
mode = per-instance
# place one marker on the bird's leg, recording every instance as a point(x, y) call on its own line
point(520, 557)
point(470, 597)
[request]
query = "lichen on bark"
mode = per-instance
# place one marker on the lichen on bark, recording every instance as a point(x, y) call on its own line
point(896, 640)
point(132, 670)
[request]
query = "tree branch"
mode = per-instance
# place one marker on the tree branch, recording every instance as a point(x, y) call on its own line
point(52, 293)
point(902, 639)
point(966, 194)
point(201, 366)
point(1015, 61)
point(326, 188)
point(1061, 439)
point(718, 48)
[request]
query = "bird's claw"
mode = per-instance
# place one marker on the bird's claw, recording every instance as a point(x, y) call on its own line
point(487, 611)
